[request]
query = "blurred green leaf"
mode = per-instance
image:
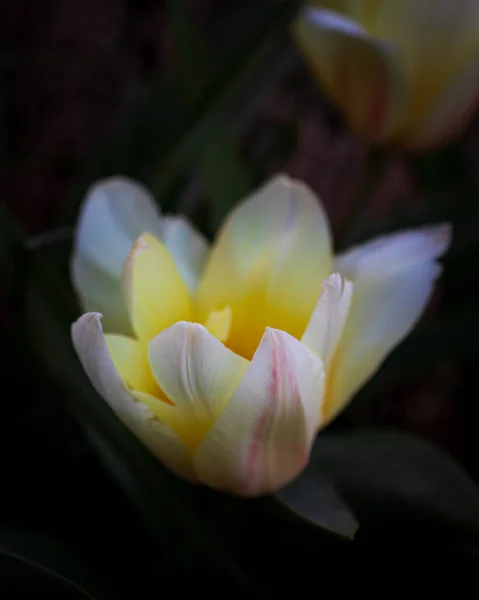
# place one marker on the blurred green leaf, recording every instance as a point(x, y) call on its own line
point(390, 474)
point(225, 179)
point(312, 497)
point(156, 140)
point(39, 563)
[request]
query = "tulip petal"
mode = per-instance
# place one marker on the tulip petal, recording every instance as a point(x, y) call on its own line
point(92, 350)
point(188, 247)
point(268, 263)
point(155, 293)
point(197, 373)
point(427, 32)
point(130, 358)
point(329, 317)
point(100, 292)
point(393, 278)
point(450, 110)
point(352, 65)
point(218, 323)
point(114, 214)
point(263, 437)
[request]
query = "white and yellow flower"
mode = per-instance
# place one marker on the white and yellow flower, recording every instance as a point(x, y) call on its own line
point(227, 361)
point(405, 72)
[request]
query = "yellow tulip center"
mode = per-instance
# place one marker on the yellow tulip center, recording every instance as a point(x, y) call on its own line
point(157, 297)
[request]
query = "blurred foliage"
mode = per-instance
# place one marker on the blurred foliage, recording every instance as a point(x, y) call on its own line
point(90, 513)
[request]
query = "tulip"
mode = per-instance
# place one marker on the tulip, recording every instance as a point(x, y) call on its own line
point(226, 361)
point(403, 72)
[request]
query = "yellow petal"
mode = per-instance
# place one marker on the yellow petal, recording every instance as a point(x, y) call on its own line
point(198, 374)
point(114, 213)
point(329, 317)
point(218, 323)
point(393, 278)
point(361, 75)
point(449, 111)
point(263, 438)
point(268, 263)
point(92, 350)
point(430, 34)
point(155, 293)
point(130, 358)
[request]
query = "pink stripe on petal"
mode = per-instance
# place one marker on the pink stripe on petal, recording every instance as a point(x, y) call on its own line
point(283, 394)
point(261, 440)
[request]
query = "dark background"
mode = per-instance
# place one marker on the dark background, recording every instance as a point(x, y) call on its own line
point(75, 75)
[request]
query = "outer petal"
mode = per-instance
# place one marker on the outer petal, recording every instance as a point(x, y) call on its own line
point(155, 292)
point(268, 263)
point(393, 278)
point(263, 437)
point(430, 33)
point(198, 374)
point(92, 351)
point(114, 214)
point(450, 110)
point(361, 75)
point(329, 317)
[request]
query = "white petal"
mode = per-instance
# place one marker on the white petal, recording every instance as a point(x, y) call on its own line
point(90, 345)
point(263, 438)
point(393, 278)
point(329, 317)
point(188, 247)
point(195, 370)
point(114, 213)
point(329, 19)
point(198, 374)
point(394, 252)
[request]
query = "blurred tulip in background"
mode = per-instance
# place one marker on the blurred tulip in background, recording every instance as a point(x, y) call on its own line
point(402, 72)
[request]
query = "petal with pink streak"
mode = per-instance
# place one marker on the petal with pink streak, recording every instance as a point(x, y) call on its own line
point(263, 438)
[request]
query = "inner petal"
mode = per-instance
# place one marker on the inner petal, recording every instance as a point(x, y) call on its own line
point(267, 264)
point(199, 376)
point(156, 294)
point(190, 429)
point(218, 323)
point(130, 358)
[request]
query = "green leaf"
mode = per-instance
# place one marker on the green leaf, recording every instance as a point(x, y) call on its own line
point(156, 141)
point(46, 564)
point(312, 497)
point(224, 176)
point(386, 474)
